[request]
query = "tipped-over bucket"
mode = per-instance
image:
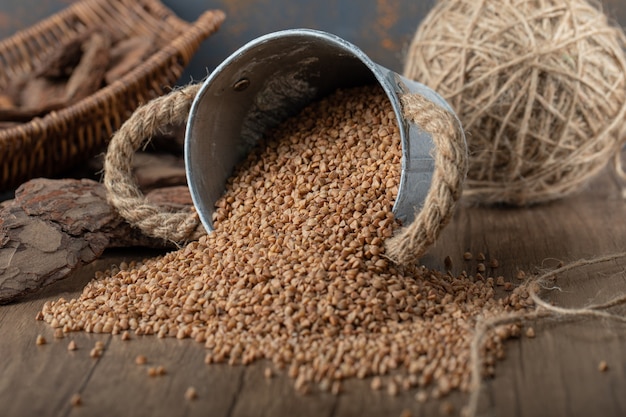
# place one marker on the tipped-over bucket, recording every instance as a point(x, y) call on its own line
point(272, 78)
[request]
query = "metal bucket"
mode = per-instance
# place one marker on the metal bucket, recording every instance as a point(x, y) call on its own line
point(272, 78)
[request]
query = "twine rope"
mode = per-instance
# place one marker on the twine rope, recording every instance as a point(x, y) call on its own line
point(122, 190)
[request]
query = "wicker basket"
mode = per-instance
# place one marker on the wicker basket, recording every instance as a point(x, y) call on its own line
point(61, 139)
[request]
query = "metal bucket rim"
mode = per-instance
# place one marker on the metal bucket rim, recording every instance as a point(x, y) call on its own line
point(381, 74)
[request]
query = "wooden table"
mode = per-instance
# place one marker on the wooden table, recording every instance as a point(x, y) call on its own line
point(554, 374)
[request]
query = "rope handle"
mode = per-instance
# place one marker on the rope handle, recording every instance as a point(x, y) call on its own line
point(451, 165)
point(122, 190)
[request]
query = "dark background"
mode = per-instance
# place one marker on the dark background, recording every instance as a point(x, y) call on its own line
point(381, 28)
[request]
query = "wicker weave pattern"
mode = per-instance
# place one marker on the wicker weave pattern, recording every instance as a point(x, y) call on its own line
point(46, 146)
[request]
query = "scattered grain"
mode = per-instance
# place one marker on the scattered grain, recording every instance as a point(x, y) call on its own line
point(421, 396)
point(99, 345)
point(376, 383)
point(72, 346)
point(95, 353)
point(494, 263)
point(125, 335)
point(191, 394)
point(40, 340)
point(268, 373)
point(58, 333)
point(301, 385)
point(155, 371)
point(76, 400)
point(295, 271)
point(392, 388)
point(336, 388)
point(481, 257)
point(447, 262)
point(141, 360)
point(481, 267)
point(530, 333)
point(603, 366)
point(468, 256)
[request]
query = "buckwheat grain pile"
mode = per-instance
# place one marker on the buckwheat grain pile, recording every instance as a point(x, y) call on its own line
point(295, 270)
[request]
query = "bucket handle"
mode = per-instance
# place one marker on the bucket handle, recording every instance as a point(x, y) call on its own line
point(122, 190)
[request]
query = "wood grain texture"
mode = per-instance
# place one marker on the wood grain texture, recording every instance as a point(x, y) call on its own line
point(554, 374)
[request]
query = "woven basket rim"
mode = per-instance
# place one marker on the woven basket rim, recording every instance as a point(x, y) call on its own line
point(112, 90)
point(80, 7)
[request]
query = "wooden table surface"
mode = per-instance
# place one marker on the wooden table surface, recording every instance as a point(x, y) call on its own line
point(554, 374)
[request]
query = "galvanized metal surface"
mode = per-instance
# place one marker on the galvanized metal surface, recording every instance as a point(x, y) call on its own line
point(273, 77)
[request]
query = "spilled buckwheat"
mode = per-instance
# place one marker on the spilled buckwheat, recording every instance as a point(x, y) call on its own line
point(295, 271)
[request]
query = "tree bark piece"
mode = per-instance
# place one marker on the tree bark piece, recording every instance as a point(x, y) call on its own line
point(54, 226)
point(88, 75)
point(73, 73)
point(176, 197)
point(37, 97)
point(126, 55)
point(61, 63)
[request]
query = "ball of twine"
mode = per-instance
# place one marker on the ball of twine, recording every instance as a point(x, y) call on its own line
point(540, 87)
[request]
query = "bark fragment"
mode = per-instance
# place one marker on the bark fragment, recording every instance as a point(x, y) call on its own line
point(54, 226)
